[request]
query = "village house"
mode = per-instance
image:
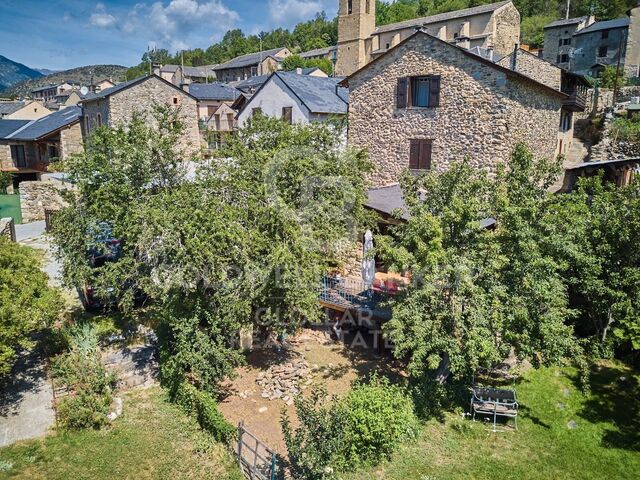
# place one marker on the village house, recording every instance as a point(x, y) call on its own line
point(28, 147)
point(116, 105)
point(181, 75)
point(585, 46)
point(216, 118)
point(49, 92)
point(427, 103)
point(251, 65)
point(494, 27)
point(22, 110)
point(103, 85)
point(297, 98)
point(575, 86)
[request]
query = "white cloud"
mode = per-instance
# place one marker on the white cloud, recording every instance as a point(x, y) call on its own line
point(175, 23)
point(290, 12)
point(100, 18)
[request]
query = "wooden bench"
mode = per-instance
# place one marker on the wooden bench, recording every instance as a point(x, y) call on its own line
point(496, 402)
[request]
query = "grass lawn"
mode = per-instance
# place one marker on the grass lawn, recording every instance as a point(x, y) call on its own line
point(605, 443)
point(151, 440)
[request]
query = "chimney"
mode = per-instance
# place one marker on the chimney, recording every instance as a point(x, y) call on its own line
point(185, 87)
point(514, 59)
point(298, 71)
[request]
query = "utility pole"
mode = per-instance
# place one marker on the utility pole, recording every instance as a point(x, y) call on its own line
point(621, 51)
point(568, 8)
point(260, 72)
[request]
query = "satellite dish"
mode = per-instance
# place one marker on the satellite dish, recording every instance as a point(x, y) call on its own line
point(84, 90)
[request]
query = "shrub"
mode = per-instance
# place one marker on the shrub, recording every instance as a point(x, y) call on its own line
point(89, 384)
point(361, 429)
point(204, 408)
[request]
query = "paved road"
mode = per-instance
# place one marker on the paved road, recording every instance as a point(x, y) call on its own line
point(26, 409)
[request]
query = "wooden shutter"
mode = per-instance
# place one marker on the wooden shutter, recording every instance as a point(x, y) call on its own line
point(414, 154)
point(434, 92)
point(424, 162)
point(402, 91)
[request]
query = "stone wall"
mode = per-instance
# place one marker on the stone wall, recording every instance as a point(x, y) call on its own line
point(507, 29)
point(482, 113)
point(71, 141)
point(534, 67)
point(36, 196)
point(7, 229)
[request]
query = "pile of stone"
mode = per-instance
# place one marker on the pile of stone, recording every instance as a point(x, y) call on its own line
point(285, 381)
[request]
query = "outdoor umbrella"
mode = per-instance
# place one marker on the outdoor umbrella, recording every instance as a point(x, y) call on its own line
point(368, 261)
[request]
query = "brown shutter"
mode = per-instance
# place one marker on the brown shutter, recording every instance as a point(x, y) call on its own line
point(401, 92)
point(425, 155)
point(414, 154)
point(434, 92)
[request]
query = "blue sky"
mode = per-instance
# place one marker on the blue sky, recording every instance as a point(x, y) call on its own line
point(61, 34)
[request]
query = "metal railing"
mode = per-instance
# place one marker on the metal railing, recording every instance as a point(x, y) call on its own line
point(256, 460)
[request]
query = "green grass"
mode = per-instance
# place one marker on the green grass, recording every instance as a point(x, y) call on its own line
point(605, 444)
point(151, 440)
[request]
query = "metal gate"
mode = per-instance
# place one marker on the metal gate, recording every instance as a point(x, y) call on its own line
point(256, 460)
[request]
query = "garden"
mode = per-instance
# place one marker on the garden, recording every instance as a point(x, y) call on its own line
point(549, 294)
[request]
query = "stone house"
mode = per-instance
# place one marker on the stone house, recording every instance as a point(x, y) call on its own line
point(559, 42)
point(584, 46)
point(28, 147)
point(251, 65)
point(103, 85)
point(427, 103)
point(575, 86)
point(495, 27)
point(23, 110)
point(297, 98)
point(116, 106)
point(216, 118)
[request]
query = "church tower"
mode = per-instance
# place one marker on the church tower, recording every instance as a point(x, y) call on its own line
point(356, 24)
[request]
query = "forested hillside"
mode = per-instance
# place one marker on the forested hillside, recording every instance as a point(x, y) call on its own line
point(323, 32)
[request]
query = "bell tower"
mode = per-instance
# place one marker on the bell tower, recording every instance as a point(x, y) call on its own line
point(356, 24)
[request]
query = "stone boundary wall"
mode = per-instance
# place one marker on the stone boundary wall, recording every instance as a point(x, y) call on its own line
point(7, 229)
point(36, 196)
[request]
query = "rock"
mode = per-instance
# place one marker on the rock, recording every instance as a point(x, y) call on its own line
point(265, 395)
point(262, 409)
point(118, 403)
point(572, 425)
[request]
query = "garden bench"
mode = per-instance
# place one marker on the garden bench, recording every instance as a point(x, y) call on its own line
point(495, 402)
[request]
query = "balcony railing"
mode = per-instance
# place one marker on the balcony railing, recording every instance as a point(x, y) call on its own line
point(577, 101)
point(353, 294)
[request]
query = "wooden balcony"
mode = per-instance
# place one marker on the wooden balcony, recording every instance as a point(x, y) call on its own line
point(576, 102)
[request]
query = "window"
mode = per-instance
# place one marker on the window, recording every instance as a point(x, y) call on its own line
point(211, 109)
point(559, 42)
point(388, 45)
point(564, 58)
point(368, 6)
point(18, 156)
point(605, 34)
point(420, 154)
point(603, 51)
point(176, 100)
point(419, 92)
point(287, 114)
point(349, 7)
point(566, 121)
point(254, 71)
point(99, 120)
point(566, 41)
point(256, 111)
point(53, 151)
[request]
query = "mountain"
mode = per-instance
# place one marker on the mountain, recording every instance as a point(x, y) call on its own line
point(13, 72)
point(45, 71)
point(81, 75)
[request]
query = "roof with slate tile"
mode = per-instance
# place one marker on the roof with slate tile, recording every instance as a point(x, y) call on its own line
point(318, 94)
point(213, 91)
point(565, 22)
point(606, 25)
point(45, 126)
point(7, 108)
point(7, 127)
point(442, 17)
point(249, 59)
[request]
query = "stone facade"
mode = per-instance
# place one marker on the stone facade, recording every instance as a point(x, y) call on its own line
point(118, 107)
point(503, 30)
point(356, 24)
point(484, 111)
point(558, 39)
point(534, 67)
point(71, 141)
point(36, 196)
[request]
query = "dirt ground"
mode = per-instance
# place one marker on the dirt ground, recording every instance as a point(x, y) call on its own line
point(333, 364)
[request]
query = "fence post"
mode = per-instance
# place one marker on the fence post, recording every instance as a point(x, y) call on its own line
point(240, 432)
point(274, 465)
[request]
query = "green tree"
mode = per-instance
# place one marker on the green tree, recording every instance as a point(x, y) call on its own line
point(295, 61)
point(610, 77)
point(27, 303)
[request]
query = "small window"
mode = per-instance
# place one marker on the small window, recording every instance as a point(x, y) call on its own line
point(99, 120)
point(388, 45)
point(563, 58)
point(287, 114)
point(176, 101)
point(420, 154)
point(560, 42)
point(605, 34)
point(603, 51)
point(349, 7)
point(566, 41)
point(424, 91)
